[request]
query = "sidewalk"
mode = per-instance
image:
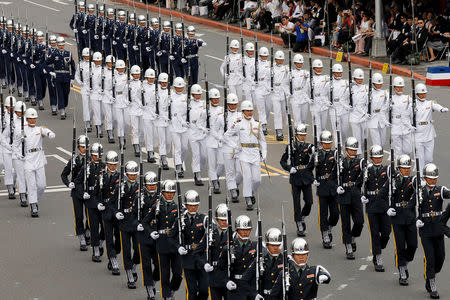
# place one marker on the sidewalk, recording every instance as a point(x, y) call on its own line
point(419, 70)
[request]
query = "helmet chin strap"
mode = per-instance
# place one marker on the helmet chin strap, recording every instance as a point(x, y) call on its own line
point(299, 265)
point(193, 213)
point(241, 237)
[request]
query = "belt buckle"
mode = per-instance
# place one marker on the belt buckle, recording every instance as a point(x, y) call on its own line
point(432, 214)
point(404, 204)
point(326, 176)
point(167, 230)
point(193, 246)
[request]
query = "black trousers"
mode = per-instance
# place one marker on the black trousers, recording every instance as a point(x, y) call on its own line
point(169, 262)
point(149, 256)
point(351, 212)
point(126, 240)
point(288, 39)
point(216, 293)
point(380, 229)
point(96, 226)
point(300, 46)
point(328, 212)
point(78, 213)
point(197, 284)
point(405, 237)
point(112, 238)
point(297, 190)
point(434, 250)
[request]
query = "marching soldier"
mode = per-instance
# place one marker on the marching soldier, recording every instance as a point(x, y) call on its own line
point(163, 104)
point(358, 115)
point(108, 31)
point(96, 92)
point(300, 91)
point(52, 94)
point(401, 119)
point(178, 60)
point(192, 45)
point(340, 105)
point(74, 167)
point(131, 38)
point(233, 63)
point(231, 150)
point(164, 48)
point(262, 91)
point(376, 204)
point(164, 228)
point(35, 160)
point(37, 66)
point(9, 121)
point(119, 37)
point(152, 44)
point(141, 41)
point(326, 183)
point(254, 150)
point(349, 196)
point(96, 41)
point(89, 26)
point(8, 43)
point(3, 34)
point(304, 280)
point(376, 123)
point(121, 114)
point(197, 133)
point(300, 165)
point(22, 53)
point(108, 99)
point(82, 76)
point(149, 117)
point(279, 93)
point(78, 25)
point(248, 84)
point(136, 108)
point(17, 155)
point(18, 39)
point(430, 226)
point(108, 207)
point(320, 98)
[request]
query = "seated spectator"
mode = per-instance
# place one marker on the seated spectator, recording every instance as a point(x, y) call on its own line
point(337, 27)
point(287, 30)
point(361, 34)
point(435, 42)
point(301, 41)
point(269, 15)
point(298, 11)
point(369, 37)
point(409, 44)
point(346, 29)
point(311, 24)
point(221, 7)
point(249, 8)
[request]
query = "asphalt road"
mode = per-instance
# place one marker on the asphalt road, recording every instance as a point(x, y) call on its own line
point(39, 258)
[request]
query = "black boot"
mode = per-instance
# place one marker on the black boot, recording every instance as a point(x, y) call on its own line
point(234, 195)
point(249, 202)
point(114, 266)
point(34, 210)
point(23, 199)
point(433, 289)
point(300, 229)
point(137, 150)
point(150, 292)
point(99, 131)
point(326, 242)
point(87, 235)
point(349, 252)
point(279, 135)
point(41, 105)
point(264, 129)
point(11, 193)
point(180, 171)
point(131, 283)
point(164, 163)
point(83, 245)
point(216, 186)
point(88, 126)
point(198, 179)
point(54, 111)
point(122, 142)
point(353, 244)
point(33, 101)
point(403, 277)
point(96, 255)
point(110, 136)
point(151, 157)
point(378, 263)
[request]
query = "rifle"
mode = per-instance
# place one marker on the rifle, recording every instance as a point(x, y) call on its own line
point(225, 90)
point(86, 157)
point(259, 255)
point(391, 175)
point(103, 72)
point(90, 69)
point(182, 38)
point(285, 273)
point(209, 229)
point(271, 63)
point(290, 132)
point(414, 124)
point(171, 49)
point(290, 73)
point(311, 73)
point(256, 58)
point(339, 152)
point(230, 243)
point(141, 186)
point(113, 65)
point(157, 97)
point(350, 95)
point(142, 89)
point(180, 218)
point(2, 109)
point(129, 80)
point(208, 122)
point(22, 131)
point(74, 144)
point(75, 25)
point(242, 52)
point(227, 45)
point(122, 170)
point(369, 98)
point(316, 157)
point(188, 101)
point(158, 192)
point(369, 111)
point(11, 124)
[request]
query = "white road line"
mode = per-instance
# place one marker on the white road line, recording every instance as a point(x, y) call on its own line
point(213, 57)
point(64, 151)
point(363, 268)
point(69, 43)
point(60, 2)
point(41, 5)
point(341, 287)
point(57, 157)
point(46, 191)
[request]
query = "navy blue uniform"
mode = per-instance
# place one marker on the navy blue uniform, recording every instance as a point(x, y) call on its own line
point(164, 52)
point(133, 55)
point(191, 54)
point(108, 36)
point(218, 277)
point(51, 81)
point(38, 74)
point(153, 44)
point(96, 41)
point(8, 56)
point(78, 22)
point(119, 40)
point(143, 54)
point(177, 52)
point(2, 56)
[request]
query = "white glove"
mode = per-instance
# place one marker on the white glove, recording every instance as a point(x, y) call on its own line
point(231, 285)
point(114, 43)
point(183, 60)
point(86, 196)
point(71, 185)
point(75, 30)
point(159, 53)
point(391, 212)
point(18, 59)
point(135, 47)
point(340, 190)
point(154, 235)
point(140, 227)
point(419, 223)
point(259, 297)
point(119, 216)
point(4, 51)
point(103, 37)
point(72, 81)
point(44, 71)
point(100, 207)
point(96, 36)
point(84, 31)
point(204, 44)
point(171, 57)
point(148, 49)
point(24, 62)
point(51, 135)
point(182, 251)
point(125, 45)
point(53, 74)
point(364, 200)
point(322, 278)
point(444, 109)
point(293, 170)
point(316, 183)
point(208, 268)
point(32, 66)
point(11, 54)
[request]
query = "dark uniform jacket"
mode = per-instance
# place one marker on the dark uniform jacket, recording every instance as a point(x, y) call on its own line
point(164, 221)
point(351, 179)
point(377, 178)
point(403, 200)
point(110, 195)
point(128, 206)
point(218, 277)
point(95, 171)
point(149, 202)
point(78, 165)
point(194, 238)
point(302, 160)
point(326, 173)
point(430, 210)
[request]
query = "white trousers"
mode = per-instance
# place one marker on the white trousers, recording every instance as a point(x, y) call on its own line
point(343, 126)
point(233, 173)
point(180, 145)
point(264, 105)
point(20, 175)
point(36, 183)
point(136, 129)
point(249, 94)
point(321, 120)
point(236, 89)
point(425, 152)
point(9, 170)
point(198, 149)
point(96, 106)
point(279, 111)
point(150, 132)
point(358, 130)
point(251, 174)
point(378, 136)
point(108, 111)
point(215, 162)
point(122, 118)
point(299, 112)
point(86, 106)
point(165, 136)
point(402, 144)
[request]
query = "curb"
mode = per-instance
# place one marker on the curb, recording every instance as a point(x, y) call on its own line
point(265, 37)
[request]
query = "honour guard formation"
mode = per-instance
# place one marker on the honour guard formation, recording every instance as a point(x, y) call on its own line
point(138, 77)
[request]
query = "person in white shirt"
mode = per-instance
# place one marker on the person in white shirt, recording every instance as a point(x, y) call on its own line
point(82, 78)
point(287, 30)
point(107, 99)
point(377, 120)
point(401, 127)
point(121, 102)
point(340, 105)
point(96, 92)
point(136, 108)
point(35, 160)
point(359, 114)
point(149, 116)
point(248, 83)
point(231, 69)
point(280, 93)
point(6, 145)
point(320, 98)
point(163, 103)
point(262, 92)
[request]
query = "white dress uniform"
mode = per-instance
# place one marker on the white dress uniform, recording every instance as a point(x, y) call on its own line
point(248, 83)
point(376, 123)
point(253, 146)
point(96, 95)
point(107, 99)
point(300, 98)
point(321, 101)
point(83, 66)
point(7, 150)
point(425, 133)
point(262, 92)
point(35, 161)
point(197, 134)
point(280, 94)
point(231, 151)
point(214, 141)
point(340, 108)
point(234, 80)
point(149, 116)
point(401, 124)
point(121, 114)
point(179, 127)
point(135, 110)
point(358, 115)
point(162, 122)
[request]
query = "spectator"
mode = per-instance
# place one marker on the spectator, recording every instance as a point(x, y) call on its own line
point(361, 34)
point(249, 8)
point(301, 42)
point(221, 7)
point(298, 11)
point(369, 37)
point(347, 27)
point(287, 30)
point(269, 15)
point(435, 40)
point(311, 24)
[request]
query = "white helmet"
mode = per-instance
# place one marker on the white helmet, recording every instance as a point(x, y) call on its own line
point(10, 101)
point(110, 11)
point(179, 82)
point(101, 8)
point(398, 81)
point(246, 105)
point(122, 14)
point(178, 26)
point(279, 55)
point(337, 68)
point(166, 24)
point(31, 113)
point(298, 58)
point(163, 77)
point(110, 59)
point(85, 52)
point(52, 38)
point(155, 21)
point(60, 40)
point(191, 29)
point(232, 99)
point(234, 44)
point(191, 197)
point(149, 73)
point(249, 47)
point(358, 74)
point(81, 4)
point(9, 23)
point(132, 17)
point(91, 6)
point(214, 93)
point(97, 56)
point(421, 88)
point(120, 64)
point(19, 105)
point(299, 246)
point(141, 18)
point(263, 51)
point(135, 70)
point(196, 89)
point(39, 34)
point(131, 168)
point(317, 63)
point(377, 78)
